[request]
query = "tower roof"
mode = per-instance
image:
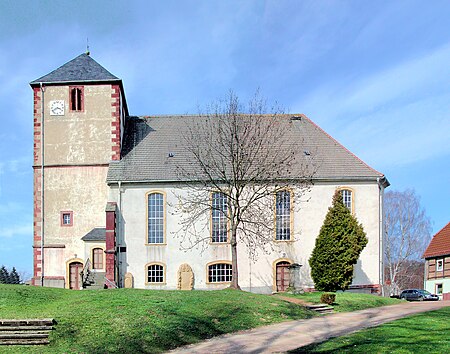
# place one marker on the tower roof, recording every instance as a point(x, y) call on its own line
point(83, 68)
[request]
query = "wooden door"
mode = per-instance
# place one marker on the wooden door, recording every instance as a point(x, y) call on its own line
point(75, 269)
point(282, 276)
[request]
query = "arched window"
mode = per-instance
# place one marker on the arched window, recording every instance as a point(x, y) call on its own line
point(219, 273)
point(347, 198)
point(155, 273)
point(76, 98)
point(97, 258)
point(283, 216)
point(219, 210)
point(155, 218)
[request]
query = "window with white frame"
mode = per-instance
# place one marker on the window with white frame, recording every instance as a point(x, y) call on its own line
point(155, 273)
point(155, 214)
point(283, 215)
point(347, 198)
point(439, 265)
point(219, 273)
point(219, 221)
point(439, 289)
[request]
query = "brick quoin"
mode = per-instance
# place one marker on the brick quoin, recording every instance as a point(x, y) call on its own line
point(110, 243)
point(115, 124)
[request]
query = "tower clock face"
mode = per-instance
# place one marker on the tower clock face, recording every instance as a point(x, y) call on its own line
point(57, 108)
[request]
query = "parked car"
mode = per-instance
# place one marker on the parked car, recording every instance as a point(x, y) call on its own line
point(418, 295)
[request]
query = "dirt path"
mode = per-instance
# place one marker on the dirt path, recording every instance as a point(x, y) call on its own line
point(291, 335)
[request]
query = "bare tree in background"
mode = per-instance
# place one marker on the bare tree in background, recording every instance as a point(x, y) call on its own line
point(239, 158)
point(408, 232)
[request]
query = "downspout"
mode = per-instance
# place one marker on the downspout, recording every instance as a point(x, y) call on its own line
point(381, 232)
point(119, 257)
point(42, 183)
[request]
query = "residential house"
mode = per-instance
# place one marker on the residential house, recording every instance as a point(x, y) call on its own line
point(437, 264)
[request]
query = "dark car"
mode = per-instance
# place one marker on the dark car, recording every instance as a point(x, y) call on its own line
point(418, 295)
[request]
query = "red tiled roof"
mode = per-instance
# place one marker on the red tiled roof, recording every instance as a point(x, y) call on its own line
point(440, 244)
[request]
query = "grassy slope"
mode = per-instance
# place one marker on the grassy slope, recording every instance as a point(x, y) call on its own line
point(346, 301)
point(134, 321)
point(424, 333)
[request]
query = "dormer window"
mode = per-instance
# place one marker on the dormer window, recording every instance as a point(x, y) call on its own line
point(76, 98)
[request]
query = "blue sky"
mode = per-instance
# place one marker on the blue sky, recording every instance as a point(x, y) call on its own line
point(374, 74)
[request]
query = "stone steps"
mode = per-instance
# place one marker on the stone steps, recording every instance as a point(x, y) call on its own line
point(321, 308)
point(26, 331)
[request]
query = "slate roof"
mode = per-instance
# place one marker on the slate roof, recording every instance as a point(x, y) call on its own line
point(154, 146)
point(82, 68)
point(440, 243)
point(97, 234)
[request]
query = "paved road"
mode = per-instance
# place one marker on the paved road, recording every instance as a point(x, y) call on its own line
point(290, 335)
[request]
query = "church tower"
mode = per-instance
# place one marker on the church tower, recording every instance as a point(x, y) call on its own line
point(79, 113)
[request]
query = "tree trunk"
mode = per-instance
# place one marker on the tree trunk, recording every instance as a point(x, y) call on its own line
point(234, 265)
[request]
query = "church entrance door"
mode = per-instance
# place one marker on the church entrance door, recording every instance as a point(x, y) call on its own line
point(283, 275)
point(75, 269)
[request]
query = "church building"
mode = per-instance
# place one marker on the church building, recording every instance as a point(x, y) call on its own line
point(106, 186)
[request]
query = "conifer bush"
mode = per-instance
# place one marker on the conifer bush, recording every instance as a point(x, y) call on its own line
point(328, 298)
point(338, 246)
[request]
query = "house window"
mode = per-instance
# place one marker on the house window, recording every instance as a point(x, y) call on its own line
point(283, 216)
point(219, 210)
point(155, 214)
point(97, 258)
point(347, 198)
point(67, 218)
point(76, 98)
point(155, 273)
point(439, 289)
point(439, 265)
point(219, 273)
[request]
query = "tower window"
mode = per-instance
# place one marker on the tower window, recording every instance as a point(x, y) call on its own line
point(77, 98)
point(67, 218)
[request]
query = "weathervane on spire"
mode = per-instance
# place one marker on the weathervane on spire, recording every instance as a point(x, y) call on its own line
point(87, 46)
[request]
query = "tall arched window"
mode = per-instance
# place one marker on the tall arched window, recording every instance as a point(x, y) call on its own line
point(347, 198)
point(155, 218)
point(219, 210)
point(283, 216)
point(76, 98)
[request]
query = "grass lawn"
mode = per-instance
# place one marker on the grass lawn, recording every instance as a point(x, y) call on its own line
point(347, 301)
point(428, 332)
point(139, 321)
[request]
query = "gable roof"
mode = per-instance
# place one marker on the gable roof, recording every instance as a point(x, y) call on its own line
point(440, 243)
point(83, 68)
point(154, 146)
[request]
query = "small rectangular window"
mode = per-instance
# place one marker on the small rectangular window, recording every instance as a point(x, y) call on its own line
point(67, 218)
point(439, 289)
point(76, 98)
point(439, 265)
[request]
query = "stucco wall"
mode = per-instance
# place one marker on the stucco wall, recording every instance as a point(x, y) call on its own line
point(308, 218)
point(79, 137)
point(81, 190)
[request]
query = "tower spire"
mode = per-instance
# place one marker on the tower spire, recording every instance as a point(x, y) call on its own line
point(87, 46)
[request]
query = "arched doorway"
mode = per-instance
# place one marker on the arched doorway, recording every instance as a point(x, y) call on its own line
point(75, 269)
point(282, 276)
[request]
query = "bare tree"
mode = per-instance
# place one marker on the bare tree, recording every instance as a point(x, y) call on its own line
point(408, 232)
point(240, 162)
